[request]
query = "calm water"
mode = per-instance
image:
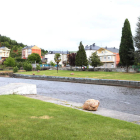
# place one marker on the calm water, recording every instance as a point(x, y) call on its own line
point(115, 98)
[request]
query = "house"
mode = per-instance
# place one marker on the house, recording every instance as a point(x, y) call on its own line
point(26, 51)
point(4, 52)
point(109, 56)
point(91, 49)
point(50, 56)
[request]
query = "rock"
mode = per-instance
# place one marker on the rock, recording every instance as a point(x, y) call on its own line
point(91, 104)
point(33, 74)
point(72, 74)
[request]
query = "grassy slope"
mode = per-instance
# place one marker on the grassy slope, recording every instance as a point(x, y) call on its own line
point(89, 74)
point(66, 123)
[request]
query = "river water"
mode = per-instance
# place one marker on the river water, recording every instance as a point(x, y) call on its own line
point(122, 99)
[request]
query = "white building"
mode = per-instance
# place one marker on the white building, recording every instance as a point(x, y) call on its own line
point(91, 49)
point(50, 56)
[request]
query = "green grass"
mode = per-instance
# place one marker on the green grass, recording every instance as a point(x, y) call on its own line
point(89, 74)
point(17, 122)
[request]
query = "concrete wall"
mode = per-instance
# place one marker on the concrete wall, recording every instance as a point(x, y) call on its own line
point(82, 80)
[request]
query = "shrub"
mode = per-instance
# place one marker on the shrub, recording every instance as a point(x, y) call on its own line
point(38, 67)
point(27, 66)
point(10, 62)
point(20, 60)
point(15, 69)
point(19, 64)
point(52, 63)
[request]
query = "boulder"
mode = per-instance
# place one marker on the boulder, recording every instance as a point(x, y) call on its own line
point(91, 104)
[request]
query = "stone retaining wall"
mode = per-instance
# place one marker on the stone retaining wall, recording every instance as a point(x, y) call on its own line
point(82, 80)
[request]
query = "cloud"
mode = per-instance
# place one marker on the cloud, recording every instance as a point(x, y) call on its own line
point(61, 25)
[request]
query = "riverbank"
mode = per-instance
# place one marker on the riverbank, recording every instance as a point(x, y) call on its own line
point(101, 111)
point(87, 74)
point(34, 119)
point(124, 83)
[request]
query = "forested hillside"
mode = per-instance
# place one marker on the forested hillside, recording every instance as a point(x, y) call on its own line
point(16, 48)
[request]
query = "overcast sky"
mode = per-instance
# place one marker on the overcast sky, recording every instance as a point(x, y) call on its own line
point(62, 24)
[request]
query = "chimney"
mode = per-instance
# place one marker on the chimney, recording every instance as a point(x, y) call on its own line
point(114, 47)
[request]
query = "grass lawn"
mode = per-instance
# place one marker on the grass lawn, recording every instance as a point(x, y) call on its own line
point(22, 118)
point(89, 74)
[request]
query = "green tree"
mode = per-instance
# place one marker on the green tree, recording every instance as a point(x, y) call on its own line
point(126, 50)
point(10, 62)
point(34, 57)
point(137, 36)
point(137, 43)
point(43, 52)
point(81, 58)
point(57, 59)
point(94, 60)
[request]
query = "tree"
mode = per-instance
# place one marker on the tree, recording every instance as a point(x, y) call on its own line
point(137, 36)
point(57, 59)
point(94, 60)
point(71, 59)
point(34, 57)
point(137, 43)
point(10, 62)
point(43, 52)
point(81, 58)
point(126, 46)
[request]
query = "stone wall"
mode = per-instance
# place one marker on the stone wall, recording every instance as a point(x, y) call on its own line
point(82, 80)
point(100, 69)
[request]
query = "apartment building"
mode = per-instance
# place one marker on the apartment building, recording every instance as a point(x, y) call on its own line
point(26, 51)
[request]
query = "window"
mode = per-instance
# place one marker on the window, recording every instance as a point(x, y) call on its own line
point(102, 51)
point(100, 58)
point(29, 51)
point(104, 57)
point(109, 57)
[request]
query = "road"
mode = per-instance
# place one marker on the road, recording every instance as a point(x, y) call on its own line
point(116, 98)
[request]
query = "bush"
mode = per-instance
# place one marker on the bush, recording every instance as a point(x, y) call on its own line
point(20, 60)
point(19, 64)
point(38, 67)
point(10, 62)
point(15, 69)
point(27, 66)
point(52, 63)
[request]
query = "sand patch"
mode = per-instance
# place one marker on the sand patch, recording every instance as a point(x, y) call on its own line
point(41, 117)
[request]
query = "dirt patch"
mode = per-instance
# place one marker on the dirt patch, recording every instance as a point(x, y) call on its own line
point(41, 117)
